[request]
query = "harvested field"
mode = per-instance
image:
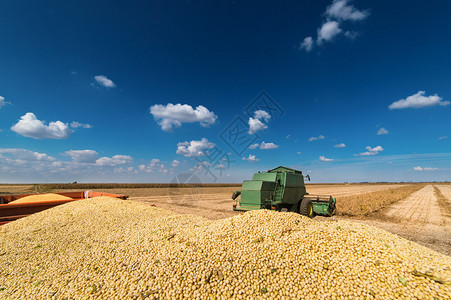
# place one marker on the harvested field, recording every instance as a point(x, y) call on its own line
point(443, 194)
point(114, 249)
point(365, 204)
point(8, 189)
point(419, 217)
point(420, 209)
point(343, 190)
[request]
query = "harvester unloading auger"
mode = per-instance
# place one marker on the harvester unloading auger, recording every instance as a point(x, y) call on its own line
point(282, 189)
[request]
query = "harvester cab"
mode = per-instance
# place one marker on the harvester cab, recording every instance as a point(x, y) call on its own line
point(281, 189)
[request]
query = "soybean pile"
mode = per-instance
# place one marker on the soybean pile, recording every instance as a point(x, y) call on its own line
point(41, 197)
point(114, 249)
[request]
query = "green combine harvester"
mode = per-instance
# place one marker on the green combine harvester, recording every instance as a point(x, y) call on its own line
point(282, 189)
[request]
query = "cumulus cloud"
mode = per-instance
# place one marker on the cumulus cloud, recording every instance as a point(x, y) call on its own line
point(26, 155)
point(199, 167)
point(328, 31)
point(336, 14)
point(194, 148)
point(298, 152)
point(351, 34)
point(175, 163)
point(30, 126)
point(256, 123)
point(382, 131)
point(114, 161)
point(314, 138)
point(371, 151)
point(104, 81)
point(341, 145)
point(443, 137)
point(418, 100)
point(264, 146)
point(173, 115)
point(306, 44)
point(3, 102)
point(323, 158)
point(424, 169)
point(268, 146)
point(82, 156)
point(251, 158)
point(341, 10)
point(76, 124)
point(262, 115)
point(155, 165)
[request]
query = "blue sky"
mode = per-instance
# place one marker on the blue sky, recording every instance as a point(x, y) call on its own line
point(120, 91)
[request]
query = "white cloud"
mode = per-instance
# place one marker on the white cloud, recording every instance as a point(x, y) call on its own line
point(256, 124)
point(351, 34)
point(328, 31)
point(264, 146)
point(307, 44)
point(382, 131)
point(194, 148)
point(30, 126)
point(418, 100)
point(26, 155)
point(175, 163)
point(323, 158)
point(200, 165)
point(424, 169)
point(104, 81)
point(262, 115)
point(173, 115)
point(371, 151)
point(82, 156)
point(341, 145)
point(3, 102)
point(251, 158)
point(268, 146)
point(154, 165)
point(340, 10)
point(76, 124)
point(298, 152)
point(336, 14)
point(114, 161)
point(443, 137)
point(313, 138)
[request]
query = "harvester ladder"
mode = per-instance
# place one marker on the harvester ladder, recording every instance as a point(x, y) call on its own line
point(279, 192)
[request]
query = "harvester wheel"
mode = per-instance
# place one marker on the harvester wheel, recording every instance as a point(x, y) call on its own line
point(306, 208)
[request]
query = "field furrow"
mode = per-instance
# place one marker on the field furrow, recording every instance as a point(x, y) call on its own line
point(446, 191)
point(418, 209)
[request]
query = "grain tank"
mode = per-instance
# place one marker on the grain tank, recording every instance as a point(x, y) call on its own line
point(281, 189)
